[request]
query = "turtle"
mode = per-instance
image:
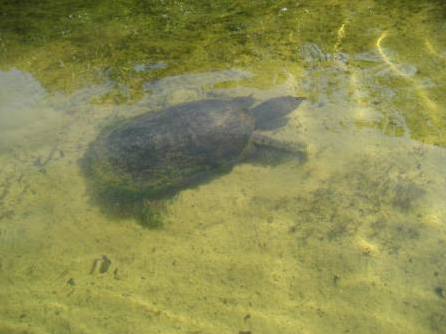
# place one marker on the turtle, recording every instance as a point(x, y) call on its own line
point(157, 154)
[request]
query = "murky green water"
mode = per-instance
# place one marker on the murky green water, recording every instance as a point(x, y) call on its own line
point(353, 240)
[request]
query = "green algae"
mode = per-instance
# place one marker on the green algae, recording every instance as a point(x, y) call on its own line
point(66, 45)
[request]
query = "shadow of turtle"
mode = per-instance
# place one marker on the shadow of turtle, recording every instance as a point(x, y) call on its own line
point(135, 166)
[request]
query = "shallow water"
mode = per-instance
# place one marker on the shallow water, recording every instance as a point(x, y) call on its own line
point(350, 241)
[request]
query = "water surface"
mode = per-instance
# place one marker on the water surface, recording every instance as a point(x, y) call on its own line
point(350, 241)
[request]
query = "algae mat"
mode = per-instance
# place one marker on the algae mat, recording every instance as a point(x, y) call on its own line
point(350, 241)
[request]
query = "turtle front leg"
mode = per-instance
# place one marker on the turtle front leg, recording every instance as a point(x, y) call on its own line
point(267, 150)
point(261, 140)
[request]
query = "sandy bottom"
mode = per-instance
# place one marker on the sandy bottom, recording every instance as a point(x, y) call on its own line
point(350, 241)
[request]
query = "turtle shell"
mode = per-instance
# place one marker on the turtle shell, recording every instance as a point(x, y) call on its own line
point(158, 153)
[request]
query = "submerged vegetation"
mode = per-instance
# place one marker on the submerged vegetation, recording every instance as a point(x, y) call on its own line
point(66, 44)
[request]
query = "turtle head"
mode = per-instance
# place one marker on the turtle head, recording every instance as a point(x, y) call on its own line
point(270, 115)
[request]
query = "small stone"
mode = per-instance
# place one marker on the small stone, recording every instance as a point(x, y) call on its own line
point(440, 292)
point(105, 264)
